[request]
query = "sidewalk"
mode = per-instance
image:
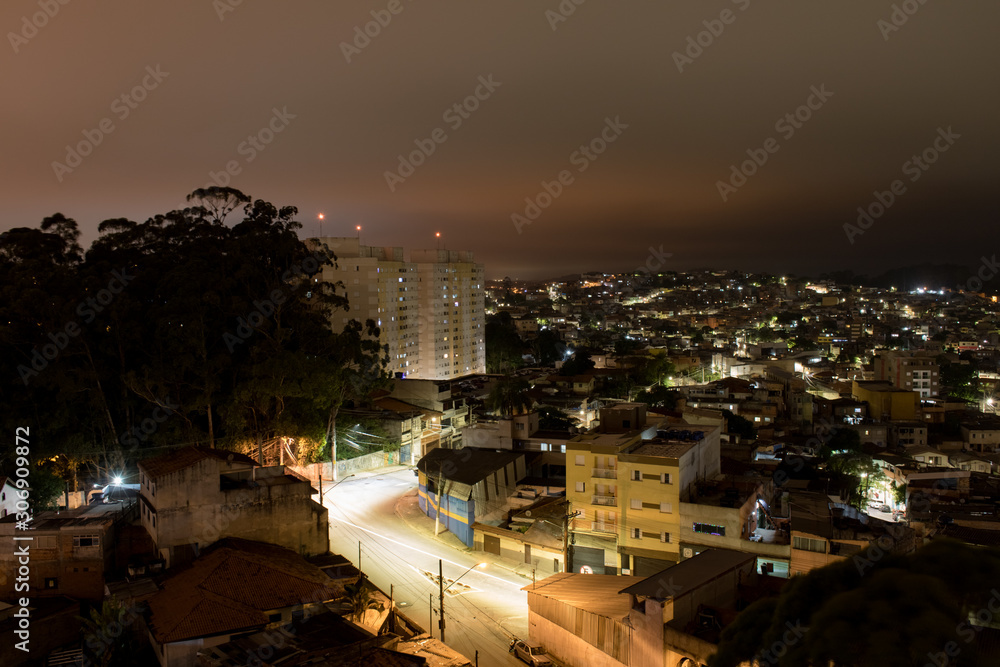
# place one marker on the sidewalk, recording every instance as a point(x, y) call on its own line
point(408, 509)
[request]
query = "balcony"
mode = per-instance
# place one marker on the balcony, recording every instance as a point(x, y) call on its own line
point(610, 501)
point(601, 527)
point(604, 473)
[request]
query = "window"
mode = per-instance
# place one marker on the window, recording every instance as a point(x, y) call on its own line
point(580, 487)
point(666, 508)
point(665, 478)
point(709, 529)
point(273, 618)
point(82, 541)
point(636, 475)
point(636, 504)
point(665, 537)
point(51, 582)
point(807, 544)
point(637, 533)
point(579, 459)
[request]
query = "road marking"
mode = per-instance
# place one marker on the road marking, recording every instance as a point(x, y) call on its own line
point(421, 551)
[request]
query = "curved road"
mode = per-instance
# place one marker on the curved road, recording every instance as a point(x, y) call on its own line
point(483, 611)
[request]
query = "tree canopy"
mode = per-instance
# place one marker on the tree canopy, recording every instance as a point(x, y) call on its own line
point(206, 325)
point(872, 610)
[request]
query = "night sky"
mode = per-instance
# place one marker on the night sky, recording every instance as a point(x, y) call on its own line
point(216, 73)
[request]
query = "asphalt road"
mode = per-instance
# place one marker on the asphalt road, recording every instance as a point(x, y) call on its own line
point(483, 611)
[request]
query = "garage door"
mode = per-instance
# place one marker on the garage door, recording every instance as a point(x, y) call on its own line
point(491, 544)
point(587, 557)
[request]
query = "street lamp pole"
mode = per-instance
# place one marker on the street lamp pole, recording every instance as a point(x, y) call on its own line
point(442, 588)
point(335, 484)
point(441, 598)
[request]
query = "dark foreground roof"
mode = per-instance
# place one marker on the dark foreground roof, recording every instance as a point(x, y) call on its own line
point(690, 574)
point(465, 466)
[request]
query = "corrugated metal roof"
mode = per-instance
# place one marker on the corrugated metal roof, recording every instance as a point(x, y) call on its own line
point(690, 574)
point(597, 593)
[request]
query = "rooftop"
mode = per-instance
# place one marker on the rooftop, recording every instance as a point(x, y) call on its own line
point(469, 466)
point(690, 574)
point(597, 593)
point(179, 459)
point(212, 595)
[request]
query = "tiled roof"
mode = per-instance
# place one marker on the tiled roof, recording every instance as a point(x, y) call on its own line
point(229, 588)
point(171, 462)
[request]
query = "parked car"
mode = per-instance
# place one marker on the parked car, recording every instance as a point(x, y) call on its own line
point(884, 508)
point(531, 653)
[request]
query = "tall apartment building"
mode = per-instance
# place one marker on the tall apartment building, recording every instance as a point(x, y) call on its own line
point(430, 310)
point(914, 371)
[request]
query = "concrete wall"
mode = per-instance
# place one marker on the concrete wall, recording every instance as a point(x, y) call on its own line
point(546, 561)
point(189, 508)
point(79, 571)
point(372, 461)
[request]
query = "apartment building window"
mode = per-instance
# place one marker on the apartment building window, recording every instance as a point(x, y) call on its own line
point(637, 533)
point(709, 529)
point(636, 475)
point(807, 544)
point(83, 541)
point(579, 459)
point(636, 503)
point(665, 537)
point(581, 487)
point(666, 508)
point(665, 478)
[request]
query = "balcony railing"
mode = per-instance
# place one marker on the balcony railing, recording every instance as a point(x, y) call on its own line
point(599, 527)
point(604, 500)
point(604, 473)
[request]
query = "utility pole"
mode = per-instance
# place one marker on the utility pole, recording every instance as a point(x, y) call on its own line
point(359, 555)
point(441, 594)
point(566, 565)
point(430, 615)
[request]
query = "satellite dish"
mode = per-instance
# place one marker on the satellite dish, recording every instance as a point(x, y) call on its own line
point(528, 514)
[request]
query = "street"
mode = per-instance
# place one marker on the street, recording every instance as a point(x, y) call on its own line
point(483, 611)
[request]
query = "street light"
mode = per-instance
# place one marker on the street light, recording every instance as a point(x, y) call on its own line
point(334, 485)
point(442, 588)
